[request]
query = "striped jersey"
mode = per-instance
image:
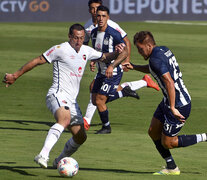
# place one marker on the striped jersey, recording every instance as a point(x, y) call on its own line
point(161, 61)
point(89, 26)
point(68, 67)
point(105, 42)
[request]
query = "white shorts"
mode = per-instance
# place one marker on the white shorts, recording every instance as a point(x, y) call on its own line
point(55, 101)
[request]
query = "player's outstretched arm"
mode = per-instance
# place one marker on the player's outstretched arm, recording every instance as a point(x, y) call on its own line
point(141, 68)
point(11, 78)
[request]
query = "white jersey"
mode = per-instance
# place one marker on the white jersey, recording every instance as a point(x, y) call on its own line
point(89, 26)
point(68, 68)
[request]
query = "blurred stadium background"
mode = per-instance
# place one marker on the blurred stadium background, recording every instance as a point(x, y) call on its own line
point(121, 10)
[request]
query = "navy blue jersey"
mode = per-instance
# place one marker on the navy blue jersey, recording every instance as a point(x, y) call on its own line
point(161, 61)
point(106, 42)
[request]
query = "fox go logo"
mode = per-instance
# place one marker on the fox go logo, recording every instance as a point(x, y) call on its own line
point(42, 6)
point(21, 6)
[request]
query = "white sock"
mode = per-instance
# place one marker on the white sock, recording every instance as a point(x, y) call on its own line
point(90, 111)
point(52, 137)
point(201, 137)
point(135, 85)
point(70, 147)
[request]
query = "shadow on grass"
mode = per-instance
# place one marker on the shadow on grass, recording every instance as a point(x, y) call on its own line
point(115, 170)
point(17, 169)
point(27, 123)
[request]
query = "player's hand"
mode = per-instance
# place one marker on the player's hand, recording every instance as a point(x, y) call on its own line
point(177, 114)
point(109, 71)
point(120, 47)
point(128, 65)
point(9, 79)
point(92, 66)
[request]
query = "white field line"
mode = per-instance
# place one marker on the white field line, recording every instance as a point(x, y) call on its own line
point(177, 22)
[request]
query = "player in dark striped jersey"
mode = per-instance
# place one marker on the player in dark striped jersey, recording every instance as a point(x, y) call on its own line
point(146, 81)
point(173, 111)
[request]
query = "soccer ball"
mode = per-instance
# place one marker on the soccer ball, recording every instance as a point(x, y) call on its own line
point(68, 167)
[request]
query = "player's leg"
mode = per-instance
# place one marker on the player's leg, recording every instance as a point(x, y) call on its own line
point(128, 89)
point(90, 110)
point(79, 135)
point(62, 116)
point(72, 145)
point(103, 113)
point(145, 82)
point(169, 141)
point(155, 131)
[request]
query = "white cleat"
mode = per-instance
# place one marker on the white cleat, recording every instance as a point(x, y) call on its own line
point(41, 161)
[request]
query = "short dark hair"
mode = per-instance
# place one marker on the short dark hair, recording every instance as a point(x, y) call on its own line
point(76, 26)
point(103, 8)
point(94, 1)
point(144, 37)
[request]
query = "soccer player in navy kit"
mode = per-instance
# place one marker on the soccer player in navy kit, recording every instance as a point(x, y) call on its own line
point(104, 39)
point(146, 81)
point(173, 111)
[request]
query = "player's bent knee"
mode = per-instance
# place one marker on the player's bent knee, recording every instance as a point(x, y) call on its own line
point(168, 144)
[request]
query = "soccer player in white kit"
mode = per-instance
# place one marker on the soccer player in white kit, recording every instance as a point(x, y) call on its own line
point(134, 85)
point(69, 60)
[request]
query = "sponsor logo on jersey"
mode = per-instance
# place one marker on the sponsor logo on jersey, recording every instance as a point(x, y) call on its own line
point(64, 101)
point(76, 75)
point(50, 51)
point(84, 57)
point(72, 57)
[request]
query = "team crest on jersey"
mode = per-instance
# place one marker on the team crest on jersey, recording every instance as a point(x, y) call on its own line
point(58, 46)
point(80, 69)
point(98, 47)
point(84, 57)
point(106, 41)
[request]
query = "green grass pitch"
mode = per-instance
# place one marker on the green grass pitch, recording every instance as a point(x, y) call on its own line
point(126, 154)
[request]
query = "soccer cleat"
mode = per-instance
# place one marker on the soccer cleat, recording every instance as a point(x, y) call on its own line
point(41, 161)
point(55, 163)
point(104, 130)
point(150, 82)
point(128, 92)
point(86, 125)
point(166, 171)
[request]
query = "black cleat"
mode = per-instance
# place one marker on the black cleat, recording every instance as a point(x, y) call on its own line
point(128, 92)
point(104, 130)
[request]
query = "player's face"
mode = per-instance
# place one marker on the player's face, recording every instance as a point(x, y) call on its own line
point(102, 18)
point(93, 8)
point(76, 39)
point(144, 49)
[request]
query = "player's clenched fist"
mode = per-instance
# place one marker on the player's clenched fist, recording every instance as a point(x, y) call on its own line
point(9, 79)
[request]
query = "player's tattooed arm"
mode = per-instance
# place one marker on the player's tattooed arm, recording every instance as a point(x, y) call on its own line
point(117, 56)
point(11, 78)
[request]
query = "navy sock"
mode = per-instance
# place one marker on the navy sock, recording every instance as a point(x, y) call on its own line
point(104, 116)
point(186, 140)
point(165, 153)
point(112, 98)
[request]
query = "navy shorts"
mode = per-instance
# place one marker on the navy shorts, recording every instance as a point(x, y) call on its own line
point(171, 126)
point(106, 86)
